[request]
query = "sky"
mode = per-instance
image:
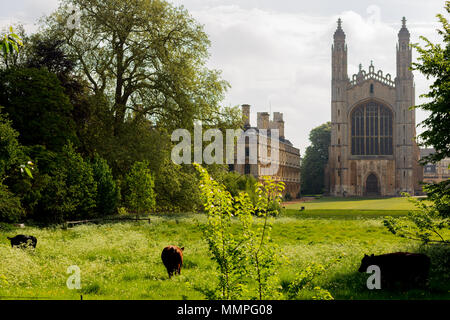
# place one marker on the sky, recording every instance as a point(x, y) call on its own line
point(276, 54)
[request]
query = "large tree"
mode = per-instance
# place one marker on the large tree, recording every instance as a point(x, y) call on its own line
point(145, 56)
point(315, 159)
point(431, 221)
point(37, 106)
point(434, 63)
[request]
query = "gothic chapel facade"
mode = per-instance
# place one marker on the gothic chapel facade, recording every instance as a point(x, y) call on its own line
point(373, 149)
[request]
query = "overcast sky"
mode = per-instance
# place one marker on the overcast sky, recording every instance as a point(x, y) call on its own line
point(276, 54)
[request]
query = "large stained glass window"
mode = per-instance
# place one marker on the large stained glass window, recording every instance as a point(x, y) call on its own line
point(372, 128)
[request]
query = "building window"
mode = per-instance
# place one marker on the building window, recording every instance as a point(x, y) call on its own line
point(372, 129)
point(371, 88)
point(247, 169)
point(231, 167)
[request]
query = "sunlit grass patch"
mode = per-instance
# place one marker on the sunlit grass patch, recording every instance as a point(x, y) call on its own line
point(123, 260)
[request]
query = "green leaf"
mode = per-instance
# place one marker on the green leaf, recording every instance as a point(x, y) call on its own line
point(15, 47)
point(28, 171)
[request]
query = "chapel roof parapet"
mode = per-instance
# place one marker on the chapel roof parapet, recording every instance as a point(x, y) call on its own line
point(362, 76)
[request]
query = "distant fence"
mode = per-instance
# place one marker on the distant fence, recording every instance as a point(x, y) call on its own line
point(70, 224)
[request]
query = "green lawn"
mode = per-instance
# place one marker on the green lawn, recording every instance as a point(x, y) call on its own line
point(122, 261)
point(333, 203)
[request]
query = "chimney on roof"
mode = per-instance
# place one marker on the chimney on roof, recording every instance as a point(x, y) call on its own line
point(246, 115)
point(263, 120)
point(279, 123)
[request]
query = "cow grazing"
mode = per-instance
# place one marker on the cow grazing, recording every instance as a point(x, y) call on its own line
point(408, 269)
point(23, 240)
point(172, 257)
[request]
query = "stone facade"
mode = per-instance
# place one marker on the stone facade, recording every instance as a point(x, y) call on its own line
point(435, 172)
point(289, 156)
point(373, 149)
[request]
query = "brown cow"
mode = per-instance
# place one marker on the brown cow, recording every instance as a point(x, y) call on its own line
point(172, 257)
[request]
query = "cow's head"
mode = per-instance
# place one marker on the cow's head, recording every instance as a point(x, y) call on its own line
point(365, 263)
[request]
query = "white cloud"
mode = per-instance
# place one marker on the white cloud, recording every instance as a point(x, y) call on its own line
point(283, 60)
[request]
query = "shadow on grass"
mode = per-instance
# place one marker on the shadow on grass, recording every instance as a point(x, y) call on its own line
point(353, 285)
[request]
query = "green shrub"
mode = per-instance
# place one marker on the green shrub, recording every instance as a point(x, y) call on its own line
point(69, 192)
point(139, 193)
point(107, 190)
point(122, 211)
point(10, 207)
point(11, 152)
point(236, 183)
point(176, 189)
point(249, 253)
point(424, 224)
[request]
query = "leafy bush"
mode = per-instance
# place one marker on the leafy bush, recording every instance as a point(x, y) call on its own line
point(122, 211)
point(250, 254)
point(11, 152)
point(12, 158)
point(424, 224)
point(439, 193)
point(226, 248)
point(304, 281)
point(10, 207)
point(69, 192)
point(139, 194)
point(107, 190)
point(236, 183)
point(176, 189)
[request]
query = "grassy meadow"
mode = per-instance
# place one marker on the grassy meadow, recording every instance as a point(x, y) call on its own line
point(122, 260)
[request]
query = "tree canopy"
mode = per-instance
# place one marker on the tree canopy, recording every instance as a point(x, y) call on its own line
point(37, 106)
point(145, 56)
point(434, 63)
point(313, 164)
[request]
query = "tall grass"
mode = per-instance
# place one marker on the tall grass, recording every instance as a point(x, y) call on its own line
point(122, 260)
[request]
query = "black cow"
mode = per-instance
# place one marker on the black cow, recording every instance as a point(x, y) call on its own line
point(408, 269)
point(23, 240)
point(172, 257)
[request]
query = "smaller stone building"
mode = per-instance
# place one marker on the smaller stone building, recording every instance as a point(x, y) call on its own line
point(288, 157)
point(435, 172)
